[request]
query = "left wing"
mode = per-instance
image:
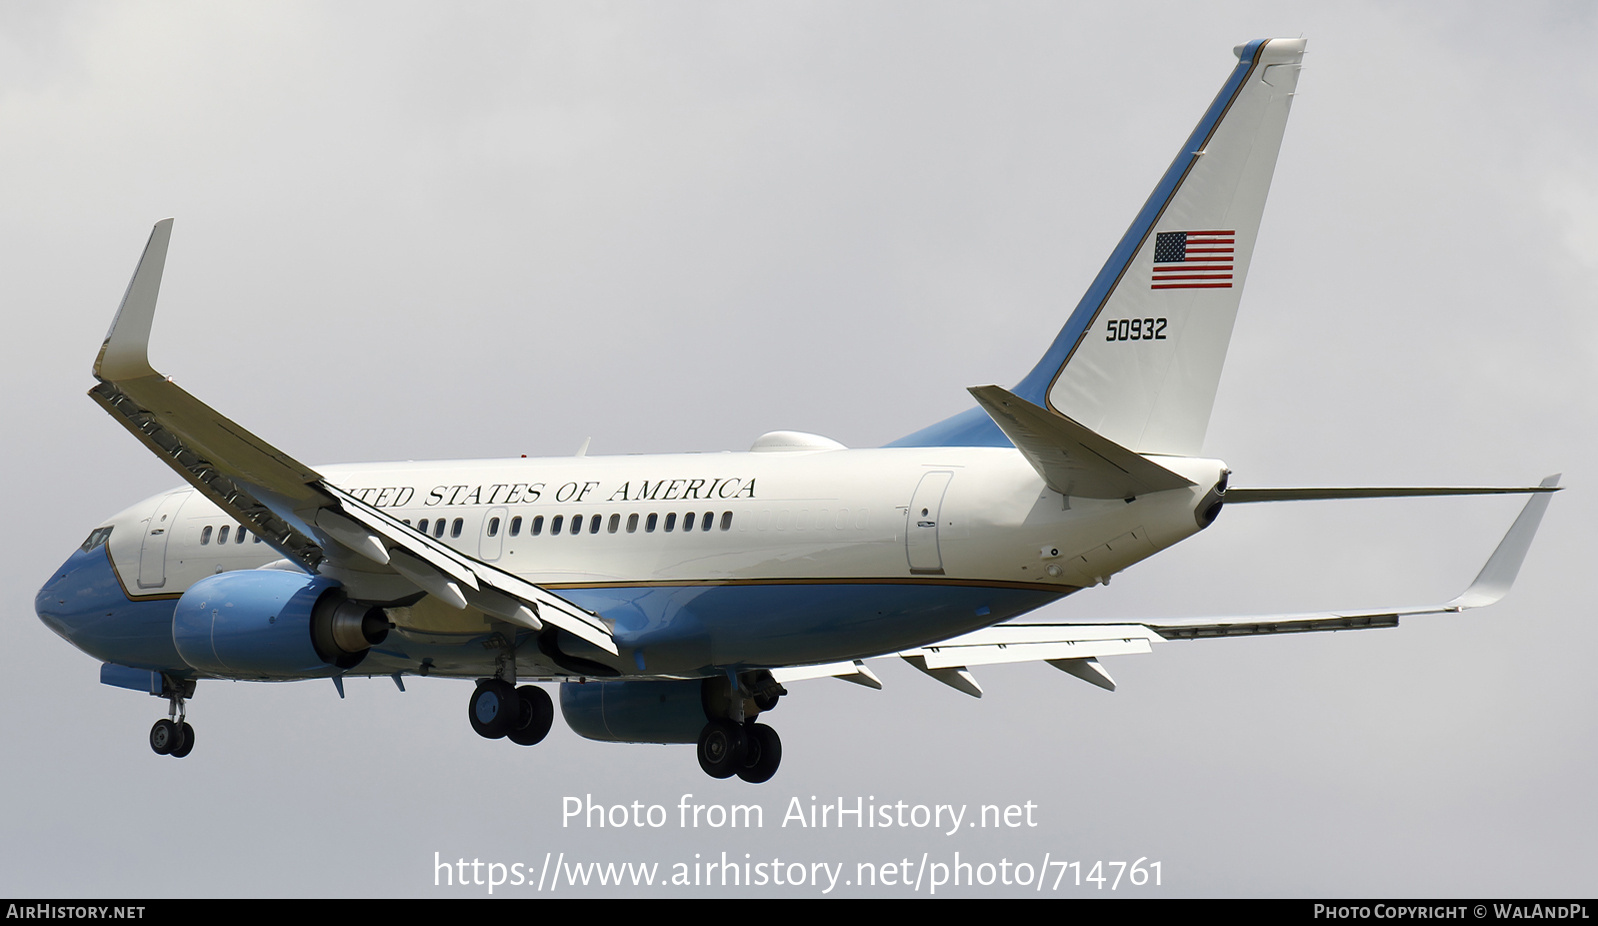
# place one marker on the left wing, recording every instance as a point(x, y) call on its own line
point(1076, 648)
point(288, 504)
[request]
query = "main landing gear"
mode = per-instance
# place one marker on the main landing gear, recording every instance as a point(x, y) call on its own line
point(752, 751)
point(500, 710)
point(173, 736)
point(732, 743)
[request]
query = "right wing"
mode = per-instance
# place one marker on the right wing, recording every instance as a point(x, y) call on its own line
point(1076, 648)
point(288, 504)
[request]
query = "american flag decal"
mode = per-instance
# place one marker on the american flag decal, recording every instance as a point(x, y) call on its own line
point(1193, 260)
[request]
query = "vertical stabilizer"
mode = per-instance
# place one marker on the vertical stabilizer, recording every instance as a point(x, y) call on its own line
point(1140, 358)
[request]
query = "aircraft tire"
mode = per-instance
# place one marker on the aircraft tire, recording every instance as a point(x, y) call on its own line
point(186, 743)
point(537, 716)
point(494, 709)
point(763, 756)
point(722, 747)
point(164, 737)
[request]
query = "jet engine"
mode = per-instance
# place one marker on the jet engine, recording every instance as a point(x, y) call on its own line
point(273, 625)
point(635, 711)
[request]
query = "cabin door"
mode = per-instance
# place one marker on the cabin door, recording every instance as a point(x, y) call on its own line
point(921, 525)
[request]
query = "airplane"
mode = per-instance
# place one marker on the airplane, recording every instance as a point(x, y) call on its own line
point(675, 597)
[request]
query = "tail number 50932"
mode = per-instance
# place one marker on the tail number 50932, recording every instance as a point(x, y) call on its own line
point(1134, 329)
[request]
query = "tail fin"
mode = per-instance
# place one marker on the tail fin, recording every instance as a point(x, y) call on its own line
point(1140, 358)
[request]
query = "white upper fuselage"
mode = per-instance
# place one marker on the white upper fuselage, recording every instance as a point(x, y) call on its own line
point(957, 516)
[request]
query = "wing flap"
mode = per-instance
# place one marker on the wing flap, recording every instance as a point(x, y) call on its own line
point(1036, 643)
point(855, 672)
point(481, 579)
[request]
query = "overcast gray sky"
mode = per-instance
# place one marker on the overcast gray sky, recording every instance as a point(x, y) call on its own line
point(426, 231)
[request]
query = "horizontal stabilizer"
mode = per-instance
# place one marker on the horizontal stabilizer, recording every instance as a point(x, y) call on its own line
point(1238, 496)
point(1071, 458)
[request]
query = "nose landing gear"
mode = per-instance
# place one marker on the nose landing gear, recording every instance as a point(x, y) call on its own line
point(173, 736)
point(172, 739)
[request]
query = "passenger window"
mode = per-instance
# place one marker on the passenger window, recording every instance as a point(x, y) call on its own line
point(632, 523)
point(438, 528)
point(649, 526)
point(239, 536)
point(671, 521)
point(615, 523)
point(688, 521)
point(709, 519)
point(455, 529)
point(493, 527)
point(516, 526)
point(577, 524)
point(538, 526)
point(554, 526)
point(221, 535)
point(257, 538)
point(422, 525)
point(726, 520)
point(593, 523)
point(205, 536)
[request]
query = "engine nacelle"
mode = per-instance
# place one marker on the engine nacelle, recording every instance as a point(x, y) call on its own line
point(268, 624)
point(635, 712)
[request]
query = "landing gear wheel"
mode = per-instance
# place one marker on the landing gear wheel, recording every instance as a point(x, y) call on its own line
point(164, 737)
point(537, 716)
point(185, 743)
point(722, 747)
point(763, 756)
point(494, 709)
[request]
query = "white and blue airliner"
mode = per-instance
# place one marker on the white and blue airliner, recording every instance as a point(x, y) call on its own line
point(676, 597)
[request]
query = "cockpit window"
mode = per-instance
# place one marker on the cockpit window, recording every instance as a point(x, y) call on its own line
point(97, 537)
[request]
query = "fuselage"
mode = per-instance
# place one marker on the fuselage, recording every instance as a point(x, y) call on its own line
point(699, 561)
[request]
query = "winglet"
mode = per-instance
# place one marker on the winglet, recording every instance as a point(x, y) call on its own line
point(1495, 578)
point(126, 351)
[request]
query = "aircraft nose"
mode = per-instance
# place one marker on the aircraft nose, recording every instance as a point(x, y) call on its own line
point(48, 605)
point(71, 598)
point(83, 603)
